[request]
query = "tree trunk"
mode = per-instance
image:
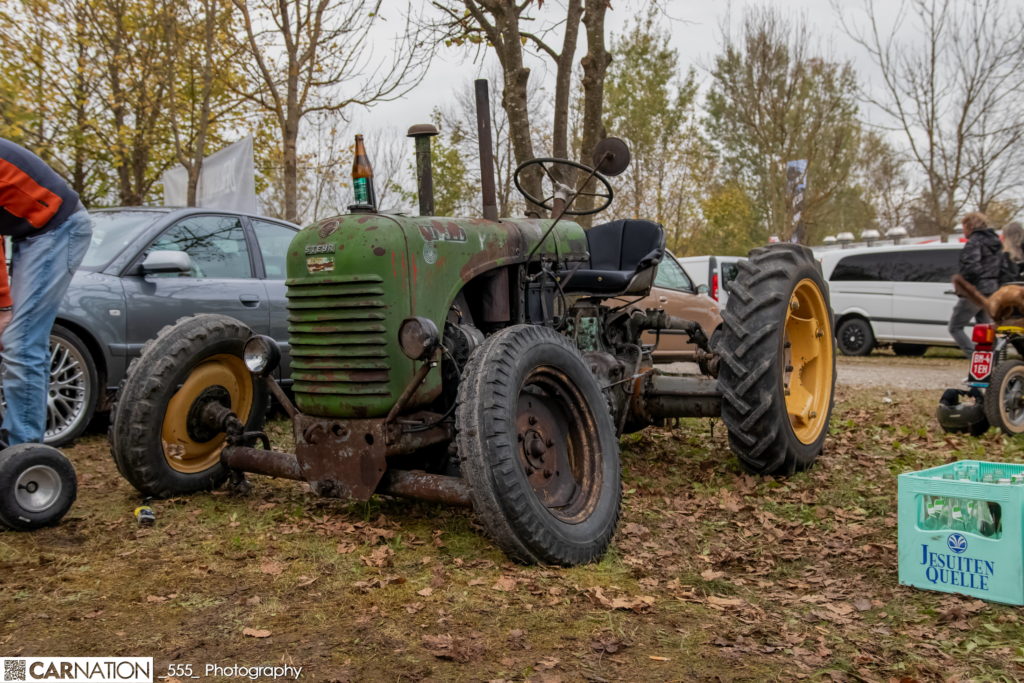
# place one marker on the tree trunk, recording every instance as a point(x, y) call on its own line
point(563, 81)
point(291, 168)
point(595, 68)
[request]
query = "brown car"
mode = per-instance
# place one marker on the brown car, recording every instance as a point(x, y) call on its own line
point(675, 292)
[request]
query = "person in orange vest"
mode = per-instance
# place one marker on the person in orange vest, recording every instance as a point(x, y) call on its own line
point(50, 231)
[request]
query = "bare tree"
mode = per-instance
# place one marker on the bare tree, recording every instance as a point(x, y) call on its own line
point(200, 70)
point(307, 56)
point(955, 94)
point(506, 27)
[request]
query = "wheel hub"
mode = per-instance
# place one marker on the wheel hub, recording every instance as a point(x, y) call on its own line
point(199, 428)
point(807, 377)
point(543, 452)
point(183, 428)
point(37, 488)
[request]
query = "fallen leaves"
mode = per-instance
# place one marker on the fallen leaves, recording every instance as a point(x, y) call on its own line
point(272, 567)
point(256, 633)
point(382, 556)
point(641, 603)
point(458, 649)
point(607, 644)
point(716, 602)
point(504, 584)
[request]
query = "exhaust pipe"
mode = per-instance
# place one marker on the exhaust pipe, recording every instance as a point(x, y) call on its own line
point(483, 127)
point(424, 173)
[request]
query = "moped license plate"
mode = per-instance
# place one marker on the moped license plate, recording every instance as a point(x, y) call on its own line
point(981, 365)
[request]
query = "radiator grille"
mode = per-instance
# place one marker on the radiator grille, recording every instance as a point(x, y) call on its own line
point(338, 332)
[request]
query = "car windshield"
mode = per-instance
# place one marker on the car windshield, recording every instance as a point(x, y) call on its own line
point(112, 231)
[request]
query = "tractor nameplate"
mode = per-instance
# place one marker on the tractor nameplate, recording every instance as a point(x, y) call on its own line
point(312, 249)
point(320, 264)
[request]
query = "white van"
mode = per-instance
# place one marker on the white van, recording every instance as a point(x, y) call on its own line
point(898, 295)
point(713, 274)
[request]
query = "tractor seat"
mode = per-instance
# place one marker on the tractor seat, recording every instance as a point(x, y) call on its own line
point(623, 256)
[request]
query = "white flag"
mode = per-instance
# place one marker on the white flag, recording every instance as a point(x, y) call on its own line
point(226, 181)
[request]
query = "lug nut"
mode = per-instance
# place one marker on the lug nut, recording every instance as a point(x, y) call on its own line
point(547, 474)
point(532, 420)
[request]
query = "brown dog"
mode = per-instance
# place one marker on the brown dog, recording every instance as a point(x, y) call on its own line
point(1003, 305)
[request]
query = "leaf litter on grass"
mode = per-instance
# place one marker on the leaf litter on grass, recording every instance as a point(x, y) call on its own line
point(713, 573)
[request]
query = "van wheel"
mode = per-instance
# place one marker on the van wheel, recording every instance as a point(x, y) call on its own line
point(854, 337)
point(911, 350)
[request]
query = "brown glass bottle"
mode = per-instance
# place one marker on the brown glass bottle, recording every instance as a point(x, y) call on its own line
point(362, 176)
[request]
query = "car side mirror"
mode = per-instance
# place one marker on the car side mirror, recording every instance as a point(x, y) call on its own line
point(702, 289)
point(167, 262)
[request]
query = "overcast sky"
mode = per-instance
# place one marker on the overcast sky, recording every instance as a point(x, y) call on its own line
point(695, 26)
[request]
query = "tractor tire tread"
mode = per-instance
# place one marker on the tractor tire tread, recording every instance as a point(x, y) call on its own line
point(500, 494)
point(753, 405)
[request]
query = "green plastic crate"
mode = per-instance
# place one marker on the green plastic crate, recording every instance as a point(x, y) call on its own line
point(959, 561)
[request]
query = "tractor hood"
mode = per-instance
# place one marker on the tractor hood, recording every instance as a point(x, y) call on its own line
point(353, 279)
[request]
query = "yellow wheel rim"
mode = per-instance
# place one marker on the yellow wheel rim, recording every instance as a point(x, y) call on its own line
point(807, 380)
point(181, 451)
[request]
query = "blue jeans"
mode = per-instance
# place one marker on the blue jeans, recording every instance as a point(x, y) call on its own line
point(41, 270)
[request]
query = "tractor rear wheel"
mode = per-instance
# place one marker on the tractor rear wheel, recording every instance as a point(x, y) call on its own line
point(777, 375)
point(157, 442)
point(538, 448)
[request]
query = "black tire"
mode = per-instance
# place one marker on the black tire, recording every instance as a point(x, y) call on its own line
point(910, 350)
point(779, 294)
point(529, 372)
point(37, 486)
point(152, 444)
point(854, 337)
point(73, 388)
point(1004, 398)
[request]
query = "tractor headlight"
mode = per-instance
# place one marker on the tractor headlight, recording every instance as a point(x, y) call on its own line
point(261, 354)
point(418, 337)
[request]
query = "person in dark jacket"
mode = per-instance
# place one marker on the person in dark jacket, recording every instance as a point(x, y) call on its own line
point(980, 265)
point(1011, 266)
point(50, 232)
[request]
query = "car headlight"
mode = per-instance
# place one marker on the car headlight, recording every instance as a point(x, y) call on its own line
point(418, 337)
point(261, 354)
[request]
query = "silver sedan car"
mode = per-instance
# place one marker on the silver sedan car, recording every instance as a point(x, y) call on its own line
point(145, 268)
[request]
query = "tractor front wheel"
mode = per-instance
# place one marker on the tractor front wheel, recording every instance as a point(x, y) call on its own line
point(778, 373)
point(159, 444)
point(538, 448)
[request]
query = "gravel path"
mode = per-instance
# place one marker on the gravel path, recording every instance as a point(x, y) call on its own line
point(885, 372)
point(880, 371)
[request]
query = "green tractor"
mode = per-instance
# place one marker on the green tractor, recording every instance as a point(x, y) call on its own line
point(483, 361)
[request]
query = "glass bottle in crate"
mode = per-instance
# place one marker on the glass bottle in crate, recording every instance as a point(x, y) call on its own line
point(958, 515)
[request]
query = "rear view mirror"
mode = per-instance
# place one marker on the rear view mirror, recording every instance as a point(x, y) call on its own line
point(167, 262)
point(611, 156)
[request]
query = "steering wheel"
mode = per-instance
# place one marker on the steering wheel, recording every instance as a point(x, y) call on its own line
point(579, 171)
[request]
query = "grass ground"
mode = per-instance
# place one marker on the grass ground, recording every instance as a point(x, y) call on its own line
point(714, 575)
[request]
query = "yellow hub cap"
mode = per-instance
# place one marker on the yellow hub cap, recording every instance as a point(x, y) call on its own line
point(181, 451)
point(808, 372)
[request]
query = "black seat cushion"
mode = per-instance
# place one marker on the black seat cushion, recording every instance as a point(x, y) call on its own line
point(618, 251)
